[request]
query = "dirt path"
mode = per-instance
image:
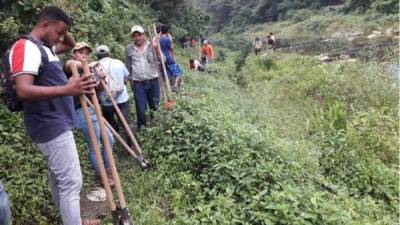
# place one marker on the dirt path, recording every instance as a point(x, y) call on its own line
point(91, 209)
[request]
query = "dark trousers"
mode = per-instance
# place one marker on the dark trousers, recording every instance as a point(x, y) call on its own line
point(109, 114)
point(146, 93)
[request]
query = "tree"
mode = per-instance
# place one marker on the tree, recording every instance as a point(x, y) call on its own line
point(379, 6)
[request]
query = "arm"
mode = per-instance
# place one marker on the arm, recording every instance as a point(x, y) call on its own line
point(128, 62)
point(155, 42)
point(170, 38)
point(67, 44)
point(212, 52)
point(27, 91)
point(126, 73)
point(171, 48)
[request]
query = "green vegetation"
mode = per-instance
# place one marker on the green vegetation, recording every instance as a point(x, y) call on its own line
point(274, 139)
point(237, 14)
point(101, 21)
point(315, 145)
point(310, 27)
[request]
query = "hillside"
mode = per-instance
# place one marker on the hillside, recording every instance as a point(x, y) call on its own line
point(278, 138)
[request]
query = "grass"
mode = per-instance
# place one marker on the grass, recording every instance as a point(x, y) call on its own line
point(307, 26)
point(296, 117)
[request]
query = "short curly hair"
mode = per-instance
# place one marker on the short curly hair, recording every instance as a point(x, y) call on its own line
point(54, 14)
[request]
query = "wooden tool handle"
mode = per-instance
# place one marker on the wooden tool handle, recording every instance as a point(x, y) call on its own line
point(106, 143)
point(93, 139)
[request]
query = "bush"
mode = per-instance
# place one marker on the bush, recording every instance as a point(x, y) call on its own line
point(267, 63)
point(299, 15)
point(233, 169)
point(24, 174)
point(220, 55)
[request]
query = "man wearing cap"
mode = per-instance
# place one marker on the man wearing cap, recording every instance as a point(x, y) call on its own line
point(139, 60)
point(207, 52)
point(81, 52)
point(118, 74)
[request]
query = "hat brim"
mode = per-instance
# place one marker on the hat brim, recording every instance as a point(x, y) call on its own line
point(90, 49)
point(137, 31)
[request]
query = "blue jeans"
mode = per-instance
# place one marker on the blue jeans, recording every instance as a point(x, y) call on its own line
point(5, 212)
point(83, 127)
point(146, 93)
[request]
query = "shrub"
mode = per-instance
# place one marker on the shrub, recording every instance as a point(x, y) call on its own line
point(24, 174)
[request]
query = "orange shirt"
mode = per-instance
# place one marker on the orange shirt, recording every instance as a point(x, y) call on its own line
point(208, 51)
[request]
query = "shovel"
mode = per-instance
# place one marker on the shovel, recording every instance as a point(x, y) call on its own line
point(120, 214)
point(101, 74)
point(121, 140)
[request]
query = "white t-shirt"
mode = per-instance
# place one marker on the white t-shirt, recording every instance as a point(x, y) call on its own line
point(117, 70)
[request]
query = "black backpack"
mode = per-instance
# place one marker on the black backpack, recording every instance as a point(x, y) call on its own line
point(8, 93)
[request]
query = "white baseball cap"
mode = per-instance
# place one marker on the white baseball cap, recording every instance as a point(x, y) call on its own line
point(137, 28)
point(101, 49)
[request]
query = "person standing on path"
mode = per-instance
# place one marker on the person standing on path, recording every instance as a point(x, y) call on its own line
point(271, 41)
point(143, 75)
point(48, 105)
point(173, 70)
point(81, 52)
point(257, 45)
point(118, 73)
point(207, 52)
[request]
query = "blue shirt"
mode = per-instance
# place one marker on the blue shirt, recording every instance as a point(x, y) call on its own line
point(117, 70)
point(166, 46)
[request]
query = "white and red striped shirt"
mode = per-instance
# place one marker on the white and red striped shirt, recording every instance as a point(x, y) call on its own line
point(25, 57)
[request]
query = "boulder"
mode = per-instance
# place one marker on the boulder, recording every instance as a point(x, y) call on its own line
point(349, 60)
point(344, 57)
point(373, 36)
point(338, 34)
point(389, 32)
point(324, 58)
point(353, 35)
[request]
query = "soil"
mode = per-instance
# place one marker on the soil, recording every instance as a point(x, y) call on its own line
point(93, 210)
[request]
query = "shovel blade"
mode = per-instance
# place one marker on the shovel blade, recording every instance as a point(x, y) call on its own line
point(125, 218)
point(143, 163)
point(116, 217)
point(169, 104)
point(121, 217)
